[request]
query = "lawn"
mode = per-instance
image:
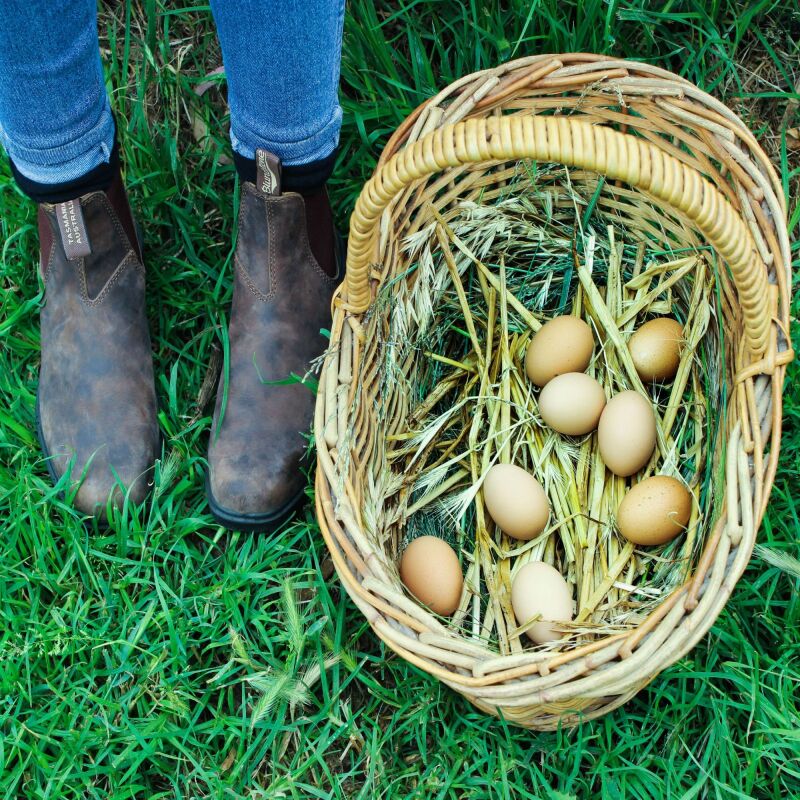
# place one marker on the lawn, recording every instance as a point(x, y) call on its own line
point(169, 658)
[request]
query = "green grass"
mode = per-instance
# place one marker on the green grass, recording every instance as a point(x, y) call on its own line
point(169, 658)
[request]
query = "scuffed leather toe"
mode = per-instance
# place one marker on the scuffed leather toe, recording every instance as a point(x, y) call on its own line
point(249, 487)
point(95, 493)
point(98, 483)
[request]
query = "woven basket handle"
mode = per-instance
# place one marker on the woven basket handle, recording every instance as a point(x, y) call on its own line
point(575, 143)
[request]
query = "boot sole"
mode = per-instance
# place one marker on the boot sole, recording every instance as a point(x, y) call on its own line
point(268, 522)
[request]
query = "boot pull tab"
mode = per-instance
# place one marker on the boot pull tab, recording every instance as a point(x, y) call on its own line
point(73, 230)
point(268, 173)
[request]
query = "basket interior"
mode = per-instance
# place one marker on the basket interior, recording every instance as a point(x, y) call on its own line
point(550, 214)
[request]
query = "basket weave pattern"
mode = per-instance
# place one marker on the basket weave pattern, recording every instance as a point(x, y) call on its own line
point(662, 141)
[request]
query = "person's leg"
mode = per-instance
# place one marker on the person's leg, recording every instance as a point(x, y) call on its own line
point(96, 412)
point(282, 65)
point(55, 118)
point(282, 68)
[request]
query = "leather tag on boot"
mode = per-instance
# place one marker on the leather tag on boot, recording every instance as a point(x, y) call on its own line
point(268, 172)
point(73, 230)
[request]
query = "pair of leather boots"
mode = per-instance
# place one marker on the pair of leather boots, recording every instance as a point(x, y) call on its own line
point(96, 405)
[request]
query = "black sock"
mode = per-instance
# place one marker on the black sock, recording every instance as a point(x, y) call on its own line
point(303, 178)
point(96, 180)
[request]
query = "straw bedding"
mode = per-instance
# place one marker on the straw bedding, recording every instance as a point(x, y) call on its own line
point(477, 288)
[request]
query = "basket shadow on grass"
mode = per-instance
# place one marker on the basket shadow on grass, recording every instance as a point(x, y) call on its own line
point(453, 330)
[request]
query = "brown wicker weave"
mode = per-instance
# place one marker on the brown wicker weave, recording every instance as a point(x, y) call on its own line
point(688, 159)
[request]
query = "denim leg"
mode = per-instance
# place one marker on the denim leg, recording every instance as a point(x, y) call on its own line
point(55, 118)
point(282, 65)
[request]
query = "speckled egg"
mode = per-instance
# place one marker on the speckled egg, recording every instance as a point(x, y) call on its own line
point(564, 344)
point(654, 511)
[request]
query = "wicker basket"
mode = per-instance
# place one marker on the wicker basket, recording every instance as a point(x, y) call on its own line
point(664, 146)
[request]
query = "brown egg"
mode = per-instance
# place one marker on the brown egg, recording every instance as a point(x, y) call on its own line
point(654, 511)
point(656, 349)
point(562, 345)
point(572, 403)
point(516, 501)
point(626, 434)
point(430, 570)
point(539, 589)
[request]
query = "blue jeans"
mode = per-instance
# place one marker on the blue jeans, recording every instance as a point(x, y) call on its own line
point(281, 61)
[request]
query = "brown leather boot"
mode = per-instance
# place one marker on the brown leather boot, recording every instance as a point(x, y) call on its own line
point(281, 300)
point(96, 406)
